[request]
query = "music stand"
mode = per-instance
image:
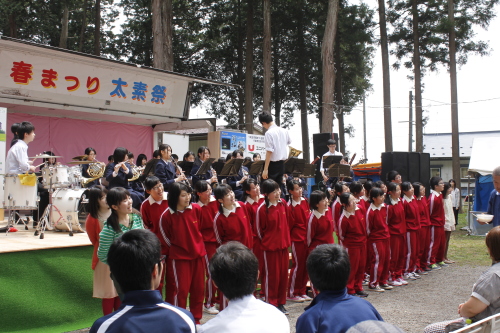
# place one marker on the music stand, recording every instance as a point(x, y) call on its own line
point(186, 167)
point(205, 167)
point(218, 166)
point(339, 170)
point(309, 171)
point(294, 166)
point(332, 159)
point(231, 167)
point(256, 168)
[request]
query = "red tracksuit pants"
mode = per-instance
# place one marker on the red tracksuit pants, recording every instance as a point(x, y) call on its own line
point(380, 254)
point(397, 254)
point(357, 259)
point(412, 246)
point(424, 239)
point(187, 277)
point(276, 276)
point(437, 244)
point(298, 273)
point(211, 291)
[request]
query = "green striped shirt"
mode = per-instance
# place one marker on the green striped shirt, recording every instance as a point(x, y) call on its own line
point(108, 235)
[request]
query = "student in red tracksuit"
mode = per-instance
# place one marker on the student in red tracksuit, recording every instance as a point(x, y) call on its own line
point(412, 217)
point(272, 228)
point(358, 191)
point(253, 199)
point(299, 208)
point(378, 241)
point(151, 210)
point(352, 232)
point(209, 207)
point(436, 215)
point(336, 209)
point(367, 186)
point(397, 230)
point(180, 230)
point(320, 226)
point(424, 233)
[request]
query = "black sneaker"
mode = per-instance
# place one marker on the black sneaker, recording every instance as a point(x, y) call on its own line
point(362, 293)
point(281, 307)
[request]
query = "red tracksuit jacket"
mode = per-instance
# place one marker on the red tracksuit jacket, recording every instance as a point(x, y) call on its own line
point(396, 218)
point(352, 228)
point(181, 236)
point(233, 227)
point(251, 207)
point(319, 229)
point(412, 213)
point(423, 209)
point(298, 220)
point(151, 213)
point(272, 226)
point(376, 223)
point(436, 209)
point(208, 213)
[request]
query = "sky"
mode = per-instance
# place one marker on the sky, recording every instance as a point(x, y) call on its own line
point(478, 98)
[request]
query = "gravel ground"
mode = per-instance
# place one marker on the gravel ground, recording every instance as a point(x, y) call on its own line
point(434, 297)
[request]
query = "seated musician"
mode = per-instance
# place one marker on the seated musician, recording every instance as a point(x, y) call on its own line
point(119, 172)
point(203, 155)
point(91, 157)
point(165, 170)
point(236, 181)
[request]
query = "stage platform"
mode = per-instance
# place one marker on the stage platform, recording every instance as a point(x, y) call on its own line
point(25, 240)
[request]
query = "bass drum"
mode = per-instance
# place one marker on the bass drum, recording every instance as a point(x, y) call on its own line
point(65, 205)
point(18, 196)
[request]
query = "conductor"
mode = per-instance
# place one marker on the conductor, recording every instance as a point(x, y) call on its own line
point(276, 140)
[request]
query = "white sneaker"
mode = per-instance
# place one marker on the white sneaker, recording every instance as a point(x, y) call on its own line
point(211, 310)
point(416, 275)
point(409, 276)
point(306, 298)
point(402, 281)
point(395, 283)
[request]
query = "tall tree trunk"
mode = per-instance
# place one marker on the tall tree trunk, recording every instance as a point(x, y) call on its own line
point(302, 84)
point(97, 31)
point(84, 26)
point(455, 144)
point(241, 102)
point(277, 93)
point(418, 81)
point(249, 70)
point(338, 93)
point(12, 25)
point(63, 40)
point(266, 51)
point(386, 76)
point(328, 57)
point(162, 34)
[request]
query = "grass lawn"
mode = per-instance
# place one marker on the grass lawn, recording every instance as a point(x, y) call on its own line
point(467, 250)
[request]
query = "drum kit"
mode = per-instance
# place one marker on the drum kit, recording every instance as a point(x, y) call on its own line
point(66, 196)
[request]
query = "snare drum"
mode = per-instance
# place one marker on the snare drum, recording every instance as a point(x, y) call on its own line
point(18, 196)
point(65, 204)
point(60, 176)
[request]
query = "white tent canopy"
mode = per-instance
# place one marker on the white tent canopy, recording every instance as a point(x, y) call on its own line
point(485, 157)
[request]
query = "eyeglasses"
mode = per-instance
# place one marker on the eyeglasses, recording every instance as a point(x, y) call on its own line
point(157, 187)
point(441, 183)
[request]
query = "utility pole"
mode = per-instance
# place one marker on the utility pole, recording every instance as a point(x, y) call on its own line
point(364, 128)
point(410, 122)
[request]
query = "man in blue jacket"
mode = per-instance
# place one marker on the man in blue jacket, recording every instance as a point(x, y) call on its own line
point(136, 263)
point(494, 201)
point(333, 310)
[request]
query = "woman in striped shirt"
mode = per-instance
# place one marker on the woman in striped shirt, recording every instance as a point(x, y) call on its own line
point(121, 220)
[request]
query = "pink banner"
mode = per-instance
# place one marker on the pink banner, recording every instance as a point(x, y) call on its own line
point(69, 137)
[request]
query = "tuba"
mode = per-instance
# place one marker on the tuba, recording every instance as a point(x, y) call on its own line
point(292, 152)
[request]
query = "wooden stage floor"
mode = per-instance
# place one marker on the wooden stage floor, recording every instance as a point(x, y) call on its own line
point(25, 240)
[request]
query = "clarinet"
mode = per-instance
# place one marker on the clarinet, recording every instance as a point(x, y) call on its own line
point(178, 168)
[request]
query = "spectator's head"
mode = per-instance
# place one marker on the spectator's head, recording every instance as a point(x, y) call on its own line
point(493, 243)
point(328, 267)
point(234, 269)
point(496, 178)
point(265, 119)
point(135, 261)
point(256, 157)
point(394, 176)
point(154, 188)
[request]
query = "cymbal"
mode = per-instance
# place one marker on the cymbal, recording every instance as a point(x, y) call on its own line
point(79, 157)
point(81, 162)
point(45, 156)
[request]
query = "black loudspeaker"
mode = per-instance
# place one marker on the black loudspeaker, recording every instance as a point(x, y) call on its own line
point(320, 148)
point(413, 167)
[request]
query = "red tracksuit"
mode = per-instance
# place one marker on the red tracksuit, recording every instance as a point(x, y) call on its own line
point(233, 226)
point(412, 217)
point(336, 211)
point(151, 212)
point(208, 213)
point(424, 234)
point(187, 256)
point(397, 230)
point(298, 233)
point(352, 233)
point(272, 228)
point(252, 207)
point(378, 244)
point(365, 201)
point(438, 241)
